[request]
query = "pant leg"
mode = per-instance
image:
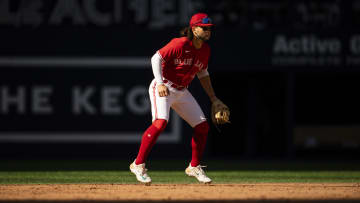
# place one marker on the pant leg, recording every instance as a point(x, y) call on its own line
point(160, 106)
point(188, 109)
point(160, 109)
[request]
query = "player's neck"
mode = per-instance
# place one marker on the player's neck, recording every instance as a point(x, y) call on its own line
point(197, 43)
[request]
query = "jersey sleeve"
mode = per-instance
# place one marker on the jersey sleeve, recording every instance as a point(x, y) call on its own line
point(156, 67)
point(202, 73)
point(170, 51)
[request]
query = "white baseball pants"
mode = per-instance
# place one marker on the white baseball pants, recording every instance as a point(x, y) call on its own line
point(181, 101)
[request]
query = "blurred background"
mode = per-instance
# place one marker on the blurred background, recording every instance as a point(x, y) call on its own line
point(74, 76)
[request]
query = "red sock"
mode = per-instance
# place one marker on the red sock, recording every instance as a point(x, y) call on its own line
point(198, 142)
point(149, 138)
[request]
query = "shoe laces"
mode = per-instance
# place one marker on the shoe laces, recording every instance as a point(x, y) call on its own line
point(199, 170)
point(142, 169)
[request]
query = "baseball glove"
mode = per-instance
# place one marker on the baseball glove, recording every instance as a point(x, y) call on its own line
point(220, 113)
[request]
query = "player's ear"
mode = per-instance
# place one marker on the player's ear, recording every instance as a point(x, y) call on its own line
point(193, 28)
point(194, 31)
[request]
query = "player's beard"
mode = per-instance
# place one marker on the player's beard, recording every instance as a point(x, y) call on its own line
point(203, 38)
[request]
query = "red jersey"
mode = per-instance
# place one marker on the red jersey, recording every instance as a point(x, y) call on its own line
point(182, 61)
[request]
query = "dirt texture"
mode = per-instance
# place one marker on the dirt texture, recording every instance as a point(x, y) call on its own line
point(181, 192)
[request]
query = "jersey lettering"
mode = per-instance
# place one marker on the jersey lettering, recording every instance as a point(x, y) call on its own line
point(184, 62)
point(181, 61)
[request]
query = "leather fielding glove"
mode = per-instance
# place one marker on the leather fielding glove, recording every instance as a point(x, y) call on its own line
point(220, 113)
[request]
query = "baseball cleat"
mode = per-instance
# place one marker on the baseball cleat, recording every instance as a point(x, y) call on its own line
point(198, 173)
point(140, 173)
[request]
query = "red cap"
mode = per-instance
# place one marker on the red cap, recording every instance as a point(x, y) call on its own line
point(200, 19)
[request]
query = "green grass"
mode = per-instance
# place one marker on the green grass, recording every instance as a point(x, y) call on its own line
point(172, 172)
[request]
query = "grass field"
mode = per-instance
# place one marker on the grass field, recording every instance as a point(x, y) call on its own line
point(108, 181)
point(172, 172)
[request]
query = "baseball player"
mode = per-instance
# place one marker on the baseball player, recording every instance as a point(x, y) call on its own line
point(174, 67)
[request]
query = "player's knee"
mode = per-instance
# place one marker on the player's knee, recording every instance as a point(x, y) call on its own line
point(160, 124)
point(202, 128)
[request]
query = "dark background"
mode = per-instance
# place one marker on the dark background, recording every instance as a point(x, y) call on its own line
point(298, 103)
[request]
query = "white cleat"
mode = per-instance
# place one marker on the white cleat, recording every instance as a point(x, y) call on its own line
point(140, 173)
point(198, 173)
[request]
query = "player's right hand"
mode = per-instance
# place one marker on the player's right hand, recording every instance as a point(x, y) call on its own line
point(163, 90)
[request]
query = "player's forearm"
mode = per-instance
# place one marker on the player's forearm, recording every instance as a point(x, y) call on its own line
point(206, 84)
point(156, 68)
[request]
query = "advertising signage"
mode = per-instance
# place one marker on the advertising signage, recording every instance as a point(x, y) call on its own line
point(248, 35)
point(68, 100)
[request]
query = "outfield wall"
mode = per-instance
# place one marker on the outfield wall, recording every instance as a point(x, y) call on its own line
point(74, 77)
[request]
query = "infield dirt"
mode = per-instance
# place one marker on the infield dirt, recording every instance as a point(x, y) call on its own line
point(181, 192)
